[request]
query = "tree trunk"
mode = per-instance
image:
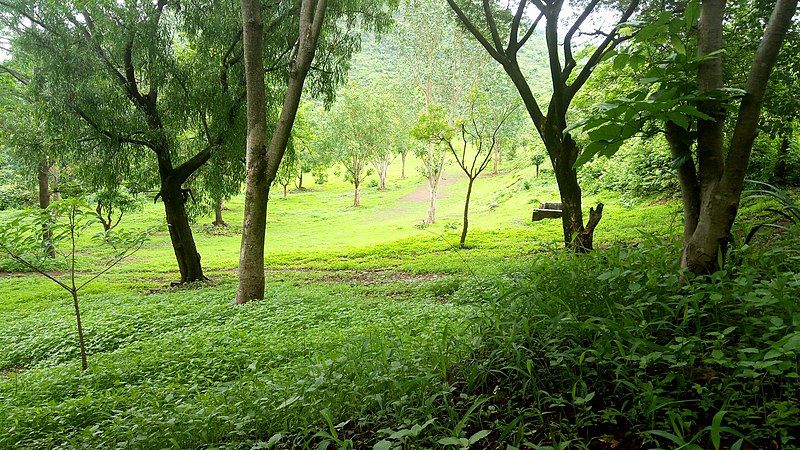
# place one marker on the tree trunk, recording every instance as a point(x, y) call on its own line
point(463, 242)
point(433, 190)
point(721, 182)
point(680, 143)
point(537, 170)
point(56, 184)
point(81, 341)
point(262, 164)
point(779, 175)
point(180, 233)
point(300, 180)
point(285, 191)
point(254, 227)
point(403, 165)
point(44, 203)
point(496, 159)
point(568, 187)
point(357, 194)
point(382, 173)
point(219, 221)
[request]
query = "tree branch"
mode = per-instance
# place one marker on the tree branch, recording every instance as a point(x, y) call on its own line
point(494, 52)
point(608, 44)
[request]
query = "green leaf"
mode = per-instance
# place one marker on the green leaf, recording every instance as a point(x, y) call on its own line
point(478, 436)
point(450, 441)
point(716, 423)
point(382, 445)
point(679, 119)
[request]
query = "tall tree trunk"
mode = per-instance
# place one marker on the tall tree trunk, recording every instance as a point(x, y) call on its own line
point(403, 165)
point(721, 182)
point(779, 175)
point(463, 242)
point(55, 186)
point(251, 256)
point(300, 180)
point(44, 203)
point(537, 170)
point(180, 233)
point(219, 206)
point(262, 164)
point(285, 191)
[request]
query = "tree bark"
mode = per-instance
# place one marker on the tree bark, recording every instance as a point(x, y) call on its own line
point(219, 206)
point(356, 194)
point(537, 170)
point(262, 164)
point(496, 159)
point(43, 176)
point(300, 180)
point(721, 190)
point(463, 241)
point(403, 165)
point(680, 143)
point(382, 176)
point(433, 190)
point(180, 233)
point(251, 257)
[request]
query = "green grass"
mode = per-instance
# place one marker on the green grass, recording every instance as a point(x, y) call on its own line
point(367, 315)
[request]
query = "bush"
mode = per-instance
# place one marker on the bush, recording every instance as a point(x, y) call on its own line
point(643, 168)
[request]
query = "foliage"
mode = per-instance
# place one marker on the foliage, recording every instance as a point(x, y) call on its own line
point(785, 209)
point(288, 169)
point(640, 170)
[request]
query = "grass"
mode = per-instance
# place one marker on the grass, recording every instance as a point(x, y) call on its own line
point(375, 330)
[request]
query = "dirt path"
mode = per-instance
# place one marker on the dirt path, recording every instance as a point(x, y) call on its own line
point(422, 193)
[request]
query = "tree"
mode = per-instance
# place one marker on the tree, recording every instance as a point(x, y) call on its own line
point(26, 134)
point(112, 205)
point(432, 129)
point(552, 124)
point(694, 115)
point(310, 158)
point(20, 240)
point(121, 84)
point(442, 64)
point(537, 159)
point(478, 132)
point(288, 168)
point(353, 134)
point(337, 44)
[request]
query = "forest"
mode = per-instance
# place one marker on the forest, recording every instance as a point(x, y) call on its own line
point(400, 224)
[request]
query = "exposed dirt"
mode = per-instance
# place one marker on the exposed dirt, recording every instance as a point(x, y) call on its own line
point(6, 373)
point(422, 194)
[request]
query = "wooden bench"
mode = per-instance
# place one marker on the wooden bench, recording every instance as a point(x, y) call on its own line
point(547, 210)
